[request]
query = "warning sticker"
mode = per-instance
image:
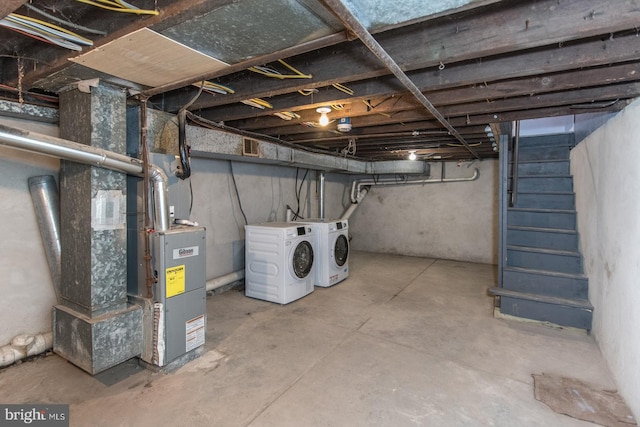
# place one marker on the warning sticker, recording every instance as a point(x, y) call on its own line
point(175, 281)
point(195, 332)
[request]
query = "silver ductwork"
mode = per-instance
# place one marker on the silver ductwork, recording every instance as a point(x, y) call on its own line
point(80, 153)
point(46, 203)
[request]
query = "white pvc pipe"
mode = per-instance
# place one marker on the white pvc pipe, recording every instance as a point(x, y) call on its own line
point(86, 154)
point(353, 206)
point(357, 185)
point(23, 346)
point(221, 281)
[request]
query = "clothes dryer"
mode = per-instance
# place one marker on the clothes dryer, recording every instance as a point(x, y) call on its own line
point(332, 244)
point(279, 261)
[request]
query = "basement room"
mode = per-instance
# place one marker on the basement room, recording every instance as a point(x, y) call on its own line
point(319, 213)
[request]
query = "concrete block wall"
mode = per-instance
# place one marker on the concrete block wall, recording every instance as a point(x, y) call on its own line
point(606, 172)
point(456, 220)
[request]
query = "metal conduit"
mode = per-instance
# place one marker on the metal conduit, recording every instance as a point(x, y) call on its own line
point(357, 185)
point(354, 25)
point(321, 182)
point(80, 153)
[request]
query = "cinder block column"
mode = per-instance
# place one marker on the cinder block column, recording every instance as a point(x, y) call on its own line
point(94, 327)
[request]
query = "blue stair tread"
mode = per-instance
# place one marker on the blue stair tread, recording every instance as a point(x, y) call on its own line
point(542, 176)
point(544, 272)
point(583, 304)
point(543, 250)
point(560, 193)
point(568, 211)
point(542, 229)
point(541, 161)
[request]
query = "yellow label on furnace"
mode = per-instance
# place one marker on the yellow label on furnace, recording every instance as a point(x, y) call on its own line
point(175, 281)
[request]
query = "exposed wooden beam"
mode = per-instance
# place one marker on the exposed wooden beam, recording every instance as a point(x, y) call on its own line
point(521, 64)
point(523, 25)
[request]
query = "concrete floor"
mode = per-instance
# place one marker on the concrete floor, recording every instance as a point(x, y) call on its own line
point(404, 341)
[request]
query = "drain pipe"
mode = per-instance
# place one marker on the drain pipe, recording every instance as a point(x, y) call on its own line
point(80, 153)
point(321, 194)
point(46, 202)
point(347, 213)
point(221, 281)
point(356, 187)
point(23, 346)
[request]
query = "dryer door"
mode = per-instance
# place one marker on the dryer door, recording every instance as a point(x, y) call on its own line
point(341, 250)
point(302, 259)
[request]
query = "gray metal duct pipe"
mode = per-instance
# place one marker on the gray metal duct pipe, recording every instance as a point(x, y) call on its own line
point(357, 185)
point(321, 194)
point(73, 151)
point(46, 202)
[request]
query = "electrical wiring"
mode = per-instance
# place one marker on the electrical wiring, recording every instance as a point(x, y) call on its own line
point(118, 6)
point(48, 28)
point(287, 115)
point(298, 191)
point(63, 21)
point(214, 87)
point(258, 103)
point(235, 186)
point(41, 33)
point(343, 88)
point(183, 148)
point(307, 92)
point(460, 145)
point(273, 73)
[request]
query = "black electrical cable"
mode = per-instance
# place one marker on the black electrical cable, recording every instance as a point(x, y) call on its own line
point(191, 194)
point(235, 186)
point(299, 193)
point(183, 149)
point(185, 166)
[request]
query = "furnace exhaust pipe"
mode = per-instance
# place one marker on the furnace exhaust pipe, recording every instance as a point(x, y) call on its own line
point(80, 153)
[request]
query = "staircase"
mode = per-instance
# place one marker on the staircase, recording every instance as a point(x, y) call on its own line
point(541, 268)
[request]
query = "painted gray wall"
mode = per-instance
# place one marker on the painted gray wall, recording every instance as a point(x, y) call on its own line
point(607, 182)
point(457, 220)
point(26, 287)
point(264, 190)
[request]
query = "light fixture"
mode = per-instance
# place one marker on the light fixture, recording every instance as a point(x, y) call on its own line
point(324, 119)
point(412, 155)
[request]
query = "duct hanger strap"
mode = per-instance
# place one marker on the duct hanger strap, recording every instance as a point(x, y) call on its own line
point(353, 24)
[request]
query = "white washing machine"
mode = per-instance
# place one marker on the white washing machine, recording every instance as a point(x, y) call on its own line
point(332, 247)
point(279, 261)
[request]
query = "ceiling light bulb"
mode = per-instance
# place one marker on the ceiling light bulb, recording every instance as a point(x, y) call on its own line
point(412, 155)
point(324, 119)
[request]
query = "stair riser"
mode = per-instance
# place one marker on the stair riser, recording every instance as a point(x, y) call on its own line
point(545, 185)
point(542, 284)
point(546, 141)
point(543, 239)
point(542, 261)
point(551, 168)
point(546, 153)
point(545, 312)
point(545, 201)
point(561, 220)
